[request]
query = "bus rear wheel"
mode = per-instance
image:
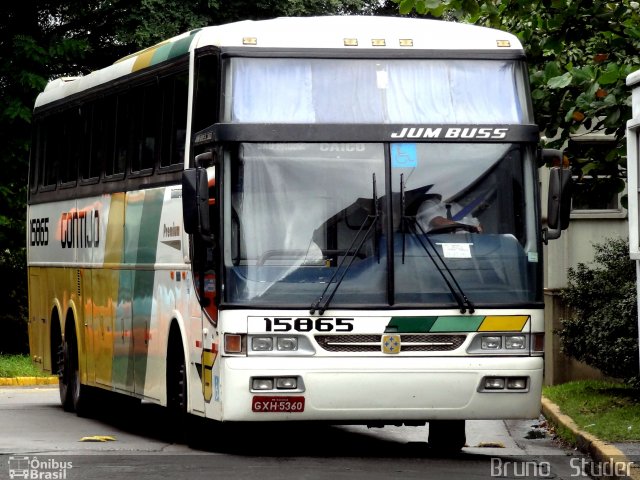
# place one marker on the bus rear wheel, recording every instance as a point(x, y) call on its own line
point(73, 395)
point(447, 436)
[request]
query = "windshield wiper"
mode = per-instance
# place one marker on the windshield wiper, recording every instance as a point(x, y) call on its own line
point(411, 223)
point(348, 254)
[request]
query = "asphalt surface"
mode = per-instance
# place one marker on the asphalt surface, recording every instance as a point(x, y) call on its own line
point(606, 460)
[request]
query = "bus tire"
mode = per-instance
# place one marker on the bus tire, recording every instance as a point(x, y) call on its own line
point(177, 385)
point(73, 395)
point(65, 380)
point(447, 436)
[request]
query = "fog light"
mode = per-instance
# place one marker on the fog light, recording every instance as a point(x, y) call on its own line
point(514, 342)
point(494, 383)
point(491, 343)
point(517, 383)
point(262, 344)
point(262, 384)
point(287, 344)
point(287, 383)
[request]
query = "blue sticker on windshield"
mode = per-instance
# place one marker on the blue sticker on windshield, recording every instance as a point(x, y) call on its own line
point(404, 155)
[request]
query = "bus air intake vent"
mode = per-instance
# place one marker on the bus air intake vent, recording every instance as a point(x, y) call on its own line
point(371, 343)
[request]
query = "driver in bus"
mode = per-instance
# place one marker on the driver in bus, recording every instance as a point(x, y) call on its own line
point(434, 214)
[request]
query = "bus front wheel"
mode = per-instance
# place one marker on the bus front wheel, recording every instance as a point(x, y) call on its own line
point(447, 436)
point(177, 387)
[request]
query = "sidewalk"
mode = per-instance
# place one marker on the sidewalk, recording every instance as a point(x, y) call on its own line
point(27, 381)
point(600, 451)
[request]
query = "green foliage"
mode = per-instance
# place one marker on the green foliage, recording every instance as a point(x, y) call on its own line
point(579, 53)
point(602, 330)
point(610, 411)
point(12, 366)
point(13, 316)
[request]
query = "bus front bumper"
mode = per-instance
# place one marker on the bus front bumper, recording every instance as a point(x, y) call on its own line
point(381, 390)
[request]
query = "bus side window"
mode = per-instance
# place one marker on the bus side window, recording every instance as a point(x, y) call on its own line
point(174, 118)
point(103, 133)
point(145, 128)
point(51, 151)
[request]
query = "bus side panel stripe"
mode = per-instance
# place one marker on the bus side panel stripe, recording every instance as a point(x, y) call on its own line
point(143, 283)
point(105, 287)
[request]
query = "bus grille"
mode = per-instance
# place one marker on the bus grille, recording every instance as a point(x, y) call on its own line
point(372, 343)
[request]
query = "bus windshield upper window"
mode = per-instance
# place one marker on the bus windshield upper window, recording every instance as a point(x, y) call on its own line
point(374, 91)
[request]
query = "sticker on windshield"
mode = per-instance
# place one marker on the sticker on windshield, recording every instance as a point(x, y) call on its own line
point(404, 155)
point(456, 250)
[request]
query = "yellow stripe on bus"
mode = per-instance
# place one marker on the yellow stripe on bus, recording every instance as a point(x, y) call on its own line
point(503, 323)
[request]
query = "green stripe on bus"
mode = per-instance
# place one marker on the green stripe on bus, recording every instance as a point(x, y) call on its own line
point(457, 324)
point(150, 226)
point(161, 54)
point(180, 47)
point(410, 324)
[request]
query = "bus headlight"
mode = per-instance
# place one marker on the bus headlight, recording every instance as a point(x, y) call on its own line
point(261, 344)
point(506, 344)
point(279, 345)
point(491, 343)
point(514, 342)
point(287, 344)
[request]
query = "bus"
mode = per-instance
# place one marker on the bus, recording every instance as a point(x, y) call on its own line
point(242, 223)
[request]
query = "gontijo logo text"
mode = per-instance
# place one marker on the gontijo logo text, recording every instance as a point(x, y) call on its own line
point(76, 229)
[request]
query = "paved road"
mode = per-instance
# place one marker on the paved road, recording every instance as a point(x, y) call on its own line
point(40, 440)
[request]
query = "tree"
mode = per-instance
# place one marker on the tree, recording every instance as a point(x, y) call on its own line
point(580, 53)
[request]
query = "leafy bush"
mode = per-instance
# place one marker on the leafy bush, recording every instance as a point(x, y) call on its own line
point(14, 312)
point(602, 330)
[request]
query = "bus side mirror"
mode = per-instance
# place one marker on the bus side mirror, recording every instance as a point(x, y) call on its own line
point(195, 202)
point(559, 202)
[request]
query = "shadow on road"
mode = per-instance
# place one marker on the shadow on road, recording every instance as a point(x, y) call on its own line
point(265, 439)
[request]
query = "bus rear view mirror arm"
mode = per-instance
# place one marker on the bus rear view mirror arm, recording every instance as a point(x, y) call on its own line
point(195, 203)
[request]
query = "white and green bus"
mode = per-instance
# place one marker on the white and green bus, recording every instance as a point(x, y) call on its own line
point(326, 219)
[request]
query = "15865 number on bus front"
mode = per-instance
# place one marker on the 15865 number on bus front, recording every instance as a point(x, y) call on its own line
point(305, 324)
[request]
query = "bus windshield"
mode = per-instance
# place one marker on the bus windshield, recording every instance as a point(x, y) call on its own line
point(380, 224)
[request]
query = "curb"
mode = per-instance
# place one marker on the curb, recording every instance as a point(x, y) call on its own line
point(587, 443)
point(26, 381)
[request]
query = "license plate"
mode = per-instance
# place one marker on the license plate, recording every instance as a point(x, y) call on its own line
point(277, 404)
